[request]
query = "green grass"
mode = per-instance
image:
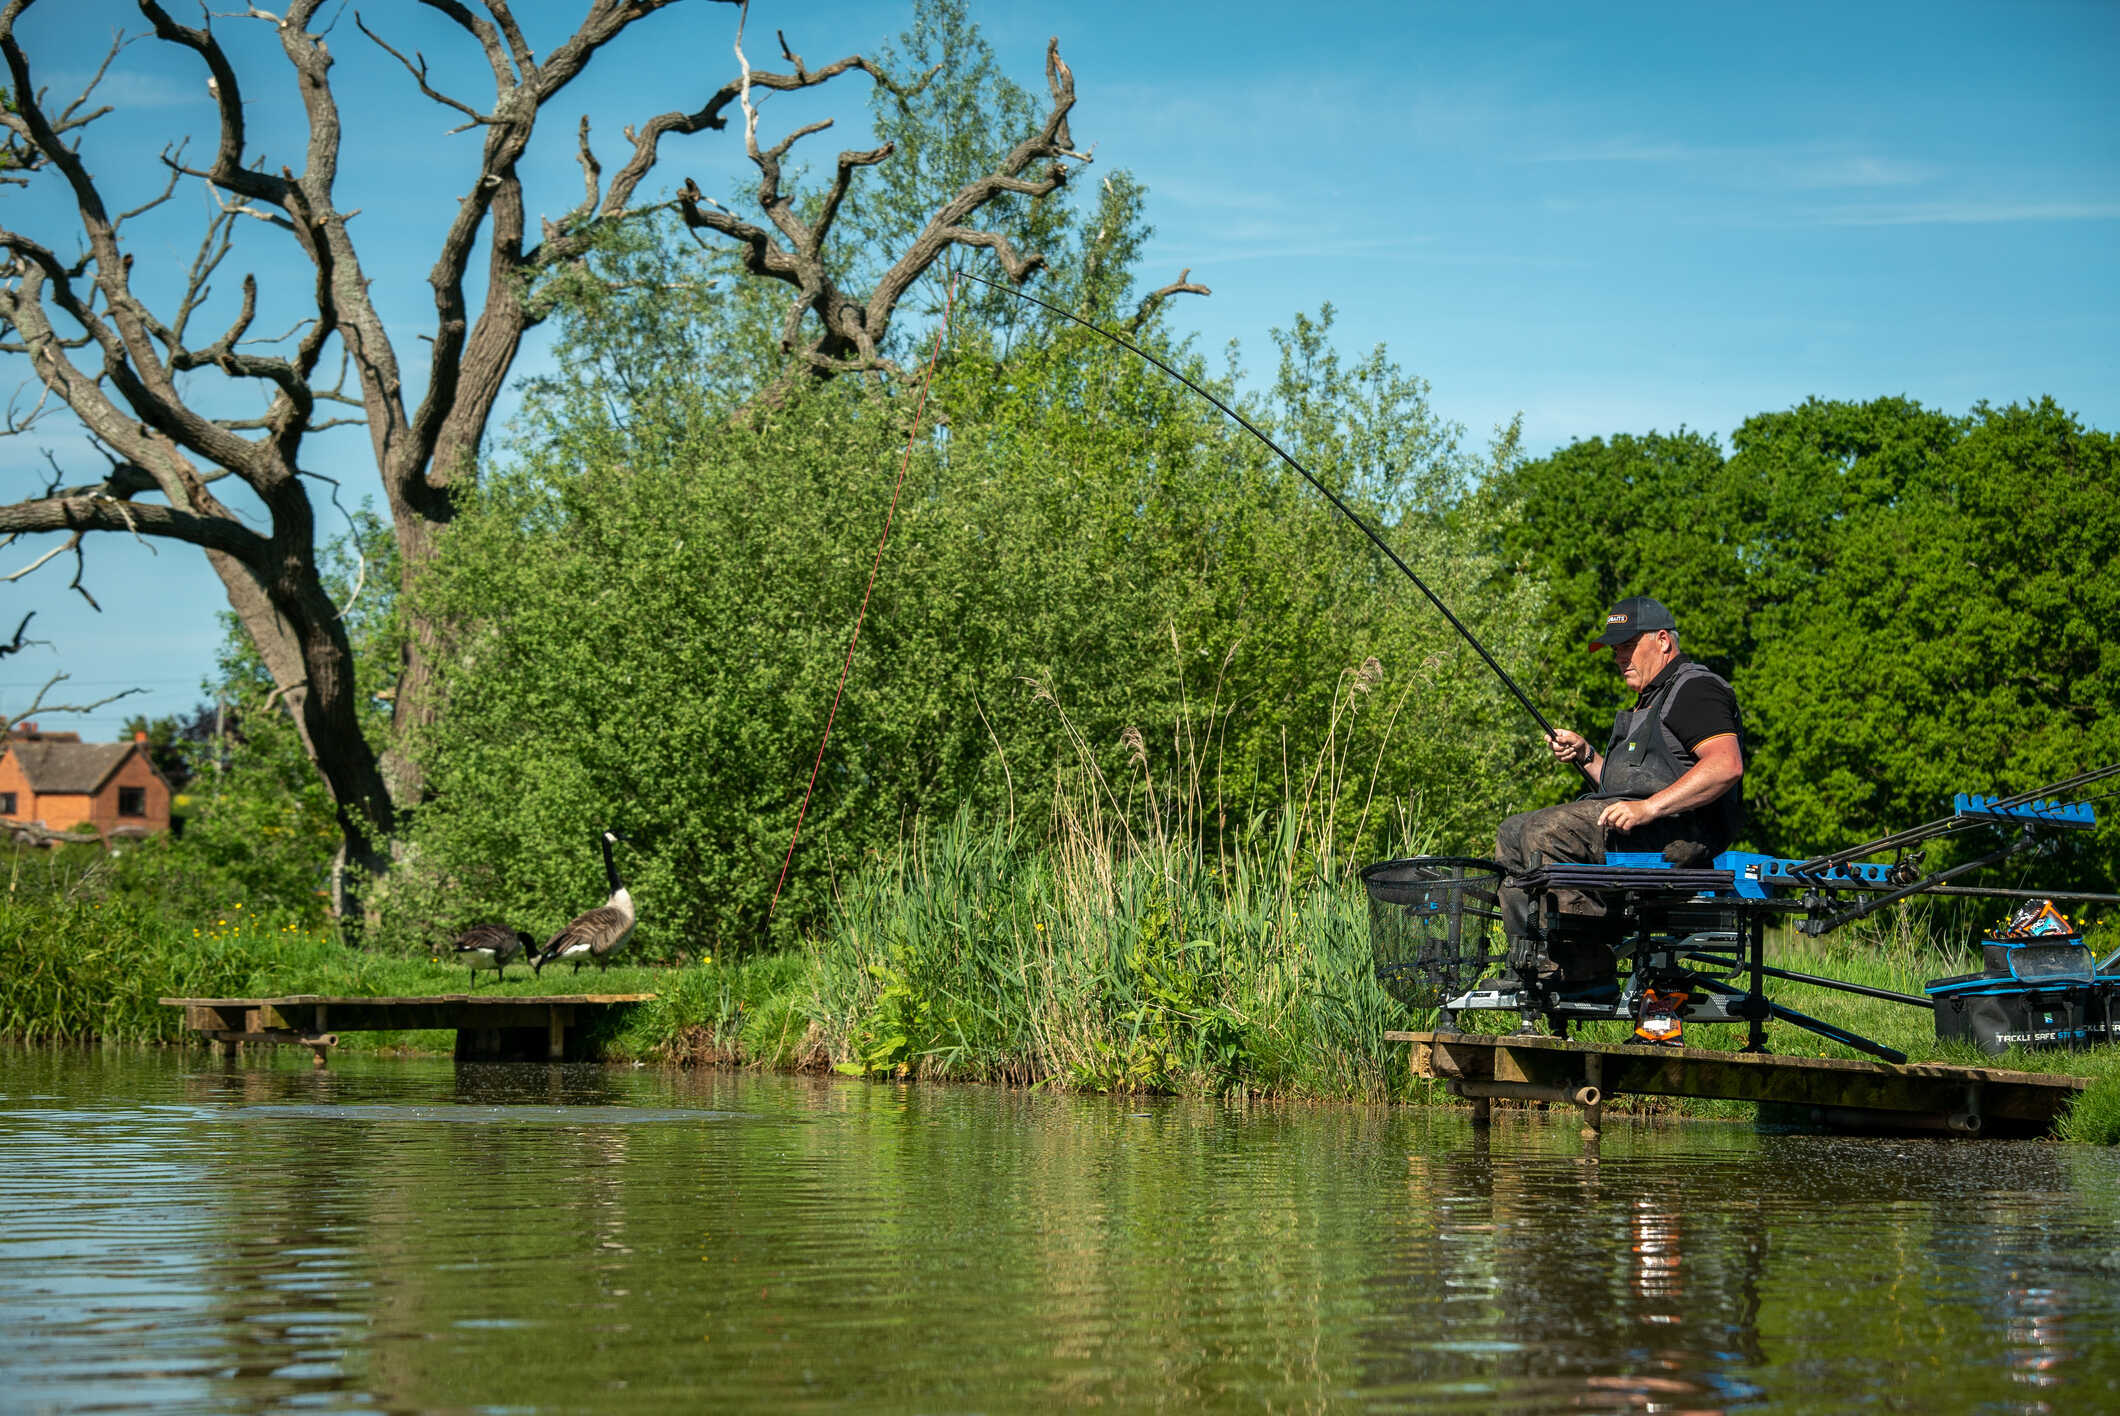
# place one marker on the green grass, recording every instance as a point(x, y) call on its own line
point(76, 969)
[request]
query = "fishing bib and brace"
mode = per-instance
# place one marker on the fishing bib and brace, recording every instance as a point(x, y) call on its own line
point(1645, 756)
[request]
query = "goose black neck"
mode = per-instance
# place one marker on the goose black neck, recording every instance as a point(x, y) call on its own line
point(610, 866)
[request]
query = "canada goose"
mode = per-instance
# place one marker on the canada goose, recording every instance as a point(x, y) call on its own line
point(491, 946)
point(599, 933)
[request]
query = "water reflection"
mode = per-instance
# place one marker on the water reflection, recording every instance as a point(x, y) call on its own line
point(1604, 1290)
point(415, 1235)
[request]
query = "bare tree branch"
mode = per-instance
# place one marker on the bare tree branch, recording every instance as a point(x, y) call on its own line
point(81, 514)
point(1153, 300)
point(851, 330)
point(473, 118)
point(19, 643)
point(29, 833)
point(38, 707)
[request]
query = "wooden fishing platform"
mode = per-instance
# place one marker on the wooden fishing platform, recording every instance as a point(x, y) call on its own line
point(492, 1027)
point(1824, 1092)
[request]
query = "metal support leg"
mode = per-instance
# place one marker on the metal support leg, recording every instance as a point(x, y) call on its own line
point(1594, 1079)
point(1755, 1001)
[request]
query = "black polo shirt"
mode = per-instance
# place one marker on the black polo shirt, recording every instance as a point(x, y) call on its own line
point(1701, 709)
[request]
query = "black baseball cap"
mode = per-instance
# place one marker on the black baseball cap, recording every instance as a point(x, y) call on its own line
point(1637, 614)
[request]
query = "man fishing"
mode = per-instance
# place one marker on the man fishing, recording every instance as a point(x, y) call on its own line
point(1667, 781)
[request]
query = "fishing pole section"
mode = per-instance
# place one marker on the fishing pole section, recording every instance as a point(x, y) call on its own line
point(1331, 496)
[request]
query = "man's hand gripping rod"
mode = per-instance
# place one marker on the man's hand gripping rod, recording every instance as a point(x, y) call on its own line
point(1342, 507)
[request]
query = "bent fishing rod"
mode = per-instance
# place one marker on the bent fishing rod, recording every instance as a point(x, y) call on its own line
point(1342, 507)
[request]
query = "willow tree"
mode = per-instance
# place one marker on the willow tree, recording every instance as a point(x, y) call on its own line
point(176, 408)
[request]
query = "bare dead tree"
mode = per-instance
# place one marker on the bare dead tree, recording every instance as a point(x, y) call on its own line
point(850, 328)
point(94, 346)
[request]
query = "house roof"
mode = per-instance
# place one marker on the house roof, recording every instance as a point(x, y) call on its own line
point(69, 767)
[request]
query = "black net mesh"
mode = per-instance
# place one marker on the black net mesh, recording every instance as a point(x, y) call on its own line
point(1433, 925)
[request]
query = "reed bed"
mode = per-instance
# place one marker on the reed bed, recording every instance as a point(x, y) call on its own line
point(974, 954)
point(1140, 942)
point(1088, 964)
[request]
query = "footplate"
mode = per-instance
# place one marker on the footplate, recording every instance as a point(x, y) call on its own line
point(1699, 1008)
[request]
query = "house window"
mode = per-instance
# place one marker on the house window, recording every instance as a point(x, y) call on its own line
point(132, 801)
point(7, 803)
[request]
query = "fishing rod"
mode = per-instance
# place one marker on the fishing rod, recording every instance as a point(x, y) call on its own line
point(1342, 507)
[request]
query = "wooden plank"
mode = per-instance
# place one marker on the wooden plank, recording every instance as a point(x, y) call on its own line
point(1831, 1084)
point(1526, 1041)
point(489, 1025)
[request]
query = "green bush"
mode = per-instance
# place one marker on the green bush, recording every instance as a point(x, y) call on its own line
point(652, 614)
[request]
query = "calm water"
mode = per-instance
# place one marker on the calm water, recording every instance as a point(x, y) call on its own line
point(412, 1236)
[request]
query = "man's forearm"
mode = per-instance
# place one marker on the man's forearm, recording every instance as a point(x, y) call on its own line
point(1701, 783)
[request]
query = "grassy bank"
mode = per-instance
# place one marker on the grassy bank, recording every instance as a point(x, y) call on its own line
point(971, 955)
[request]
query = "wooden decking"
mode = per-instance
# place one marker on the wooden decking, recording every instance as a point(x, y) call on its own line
point(1827, 1092)
point(489, 1026)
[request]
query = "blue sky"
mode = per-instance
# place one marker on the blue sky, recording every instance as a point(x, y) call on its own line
point(1607, 218)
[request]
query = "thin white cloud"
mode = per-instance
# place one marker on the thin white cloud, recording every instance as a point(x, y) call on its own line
point(1627, 150)
point(1286, 250)
point(130, 89)
point(1974, 211)
point(1856, 170)
point(1214, 196)
point(1802, 166)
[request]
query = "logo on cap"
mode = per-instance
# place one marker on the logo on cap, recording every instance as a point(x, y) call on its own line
point(1615, 618)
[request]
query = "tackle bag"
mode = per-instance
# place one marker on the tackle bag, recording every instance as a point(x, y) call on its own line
point(1998, 1014)
point(2040, 989)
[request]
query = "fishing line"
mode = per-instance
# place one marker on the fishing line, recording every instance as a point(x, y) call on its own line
point(912, 436)
point(1344, 509)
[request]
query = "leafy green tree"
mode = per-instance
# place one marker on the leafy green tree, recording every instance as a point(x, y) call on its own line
point(178, 745)
point(1948, 624)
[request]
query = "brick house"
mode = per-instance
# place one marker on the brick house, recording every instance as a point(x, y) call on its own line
point(58, 782)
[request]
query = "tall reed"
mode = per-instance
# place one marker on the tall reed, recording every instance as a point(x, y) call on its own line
point(1142, 944)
